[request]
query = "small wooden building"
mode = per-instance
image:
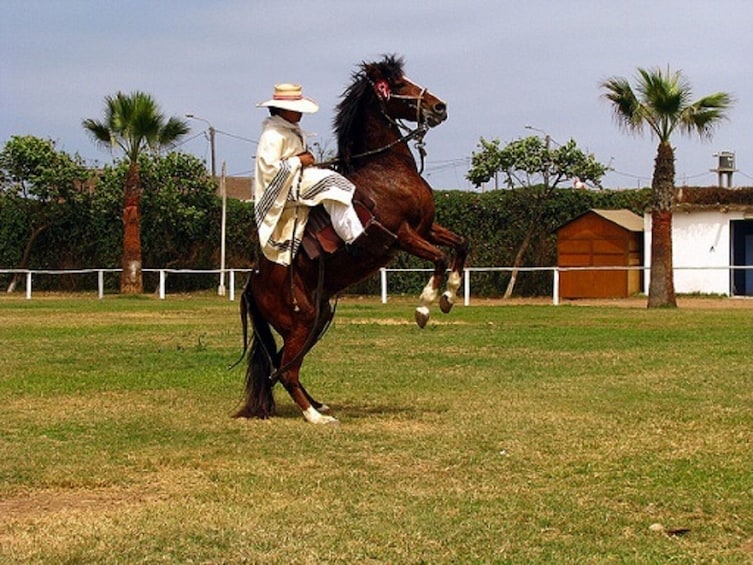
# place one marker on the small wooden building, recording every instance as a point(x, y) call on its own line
point(601, 238)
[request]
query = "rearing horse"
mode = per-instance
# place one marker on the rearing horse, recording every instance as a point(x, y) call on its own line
point(374, 154)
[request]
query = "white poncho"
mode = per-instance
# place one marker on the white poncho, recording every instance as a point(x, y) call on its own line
point(284, 191)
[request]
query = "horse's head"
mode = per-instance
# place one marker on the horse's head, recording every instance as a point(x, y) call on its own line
point(401, 98)
point(381, 90)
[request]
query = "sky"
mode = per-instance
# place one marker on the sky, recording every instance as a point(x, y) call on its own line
point(506, 70)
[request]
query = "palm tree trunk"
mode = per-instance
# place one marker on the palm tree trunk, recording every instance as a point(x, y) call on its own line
point(661, 290)
point(131, 279)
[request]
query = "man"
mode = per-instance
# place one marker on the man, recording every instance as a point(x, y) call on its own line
point(287, 184)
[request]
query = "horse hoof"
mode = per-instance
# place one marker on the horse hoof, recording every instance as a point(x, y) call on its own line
point(445, 303)
point(422, 316)
point(313, 416)
point(327, 421)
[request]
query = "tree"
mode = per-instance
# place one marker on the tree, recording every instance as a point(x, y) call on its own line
point(43, 184)
point(532, 163)
point(179, 204)
point(134, 124)
point(661, 102)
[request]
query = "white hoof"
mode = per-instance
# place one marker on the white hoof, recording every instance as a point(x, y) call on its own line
point(313, 416)
point(422, 316)
point(446, 302)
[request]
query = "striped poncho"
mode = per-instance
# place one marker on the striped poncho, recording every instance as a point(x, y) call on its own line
point(284, 191)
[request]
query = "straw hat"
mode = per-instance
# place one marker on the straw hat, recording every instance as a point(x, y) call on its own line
point(290, 97)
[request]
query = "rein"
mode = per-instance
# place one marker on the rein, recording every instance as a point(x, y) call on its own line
point(417, 133)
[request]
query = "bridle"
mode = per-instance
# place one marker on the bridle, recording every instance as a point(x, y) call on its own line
point(384, 95)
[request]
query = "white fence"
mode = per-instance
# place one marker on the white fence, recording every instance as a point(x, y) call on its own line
point(29, 275)
point(231, 273)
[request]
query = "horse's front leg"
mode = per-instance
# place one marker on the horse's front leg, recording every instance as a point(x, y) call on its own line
point(429, 296)
point(414, 244)
point(442, 236)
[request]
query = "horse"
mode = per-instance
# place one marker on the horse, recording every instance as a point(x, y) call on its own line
point(398, 204)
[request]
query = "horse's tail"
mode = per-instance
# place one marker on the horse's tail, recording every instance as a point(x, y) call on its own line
point(263, 360)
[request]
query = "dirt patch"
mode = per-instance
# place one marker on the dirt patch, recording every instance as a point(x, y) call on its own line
point(40, 503)
point(748, 547)
point(696, 302)
point(692, 302)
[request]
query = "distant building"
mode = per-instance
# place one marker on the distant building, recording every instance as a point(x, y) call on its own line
point(712, 234)
point(240, 188)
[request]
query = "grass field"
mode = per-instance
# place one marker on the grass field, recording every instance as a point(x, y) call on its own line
point(499, 434)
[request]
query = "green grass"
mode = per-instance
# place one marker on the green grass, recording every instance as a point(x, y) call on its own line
point(498, 434)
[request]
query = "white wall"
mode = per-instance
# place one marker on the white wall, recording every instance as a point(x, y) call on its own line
point(699, 239)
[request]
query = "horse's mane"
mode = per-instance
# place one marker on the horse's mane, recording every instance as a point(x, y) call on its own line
point(348, 122)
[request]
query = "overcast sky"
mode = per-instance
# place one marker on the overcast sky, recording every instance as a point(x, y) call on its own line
point(500, 65)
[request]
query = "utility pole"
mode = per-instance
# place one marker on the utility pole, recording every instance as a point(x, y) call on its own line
point(223, 229)
point(211, 142)
point(223, 194)
point(547, 142)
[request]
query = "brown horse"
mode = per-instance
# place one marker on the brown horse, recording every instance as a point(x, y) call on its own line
point(374, 155)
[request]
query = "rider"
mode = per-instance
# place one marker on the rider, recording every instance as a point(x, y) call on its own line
point(287, 184)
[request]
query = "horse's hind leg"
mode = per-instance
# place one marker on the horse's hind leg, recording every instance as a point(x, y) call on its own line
point(298, 342)
point(326, 313)
point(290, 380)
point(320, 406)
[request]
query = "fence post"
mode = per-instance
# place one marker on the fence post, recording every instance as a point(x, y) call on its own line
point(466, 287)
point(232, 285)
point(383, 279)
point(556, 287)
point(162, 284)
point(28, 285)
point(100, 284)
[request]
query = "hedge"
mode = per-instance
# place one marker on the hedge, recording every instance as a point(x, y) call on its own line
point(90, 237)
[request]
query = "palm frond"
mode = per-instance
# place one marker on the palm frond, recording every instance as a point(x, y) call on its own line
point(134, 123)
point(704, 115)
point(662, 100)
point(626, 108)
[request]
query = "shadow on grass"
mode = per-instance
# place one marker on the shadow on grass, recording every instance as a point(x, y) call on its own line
point(357, 411)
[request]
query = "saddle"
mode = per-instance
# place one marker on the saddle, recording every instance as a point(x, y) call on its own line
point(320, 238)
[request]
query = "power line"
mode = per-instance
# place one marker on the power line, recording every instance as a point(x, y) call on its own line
point(255, 142)
point(186, 140)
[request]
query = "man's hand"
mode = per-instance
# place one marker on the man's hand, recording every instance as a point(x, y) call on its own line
point(307, 159)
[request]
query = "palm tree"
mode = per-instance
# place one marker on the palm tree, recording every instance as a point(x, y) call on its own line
point(133, 123)
point(661, 101)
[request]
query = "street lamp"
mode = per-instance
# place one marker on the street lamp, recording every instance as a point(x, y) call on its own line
point(223, 194)
point(547, 137)
point(211, 140)
point(547, 142)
